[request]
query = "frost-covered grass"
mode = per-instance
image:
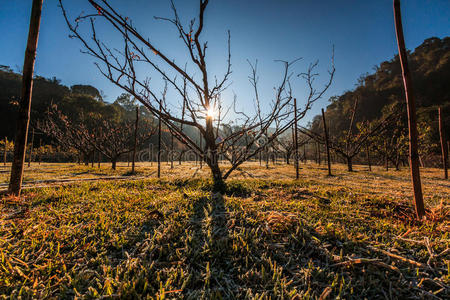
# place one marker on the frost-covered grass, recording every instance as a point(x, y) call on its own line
point(349, 236)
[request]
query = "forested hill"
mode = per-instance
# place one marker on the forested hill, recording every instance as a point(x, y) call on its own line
point(72, 101)
point(430, 68)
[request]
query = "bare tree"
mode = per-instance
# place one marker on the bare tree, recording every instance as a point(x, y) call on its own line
point(113, 139)
point(191, 82)
point(23, 120)
point(350, 143)
point(65, 133)
point(392, 145)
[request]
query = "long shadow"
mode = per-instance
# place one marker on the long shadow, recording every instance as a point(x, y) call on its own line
point(208, 252)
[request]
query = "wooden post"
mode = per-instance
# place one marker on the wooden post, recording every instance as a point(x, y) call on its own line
point(133, 162)
point(386, 160)
point(296, 140)
point(171, 152)
point(318, 153)
point(368, 156)
point(150, 154)
point(31, 148)
point(304, 153)
point(201, 148)
point(327, 145)
point(411, 105)
point(5, 151)
point(40, 151)
point(23, 120)
point(159, 140)
point(443, 144)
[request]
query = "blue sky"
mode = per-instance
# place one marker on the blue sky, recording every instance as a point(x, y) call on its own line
point(361, 31)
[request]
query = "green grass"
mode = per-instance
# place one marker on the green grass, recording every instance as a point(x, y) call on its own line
point(268, 237)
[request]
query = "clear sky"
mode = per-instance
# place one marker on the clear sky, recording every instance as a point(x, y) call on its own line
point(361, 31)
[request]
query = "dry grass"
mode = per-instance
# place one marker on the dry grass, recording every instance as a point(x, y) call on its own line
point(349, 236)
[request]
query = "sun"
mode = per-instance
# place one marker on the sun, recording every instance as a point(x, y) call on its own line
point(210, 112)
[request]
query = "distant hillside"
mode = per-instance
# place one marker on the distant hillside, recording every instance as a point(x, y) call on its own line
point(71, 100)
point(430, 68)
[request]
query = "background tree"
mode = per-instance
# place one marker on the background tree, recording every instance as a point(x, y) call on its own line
point(113, 139)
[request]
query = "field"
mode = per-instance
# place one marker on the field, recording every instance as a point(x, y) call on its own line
point(350, 236)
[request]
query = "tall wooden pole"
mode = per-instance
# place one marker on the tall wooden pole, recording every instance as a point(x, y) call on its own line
point(159, 140)
point(5, 150)
point(31, 149)
point(443, 144)
point(135, 140)
point(201, 148)
point(411, 105)
point(40, 151)
point(386, 161)
point(368, 156)
point(296, 140)
point(318, 153)
point(171, 151)
point(327, 145)
point(304, 153)
point(23, 120)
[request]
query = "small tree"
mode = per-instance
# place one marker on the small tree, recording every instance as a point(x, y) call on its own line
point(350, 142)
point(392, 144)
point(67, 133)
point(113, 139)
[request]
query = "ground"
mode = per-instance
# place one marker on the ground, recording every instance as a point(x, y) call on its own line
point(269, 236)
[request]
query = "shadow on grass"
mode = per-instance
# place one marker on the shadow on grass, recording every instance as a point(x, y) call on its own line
point(208, 251)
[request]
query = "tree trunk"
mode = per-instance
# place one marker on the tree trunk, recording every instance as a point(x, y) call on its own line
point(410, 102)
point(325, 131)
point(212, 157)
point(23, 120)
point(349, 164)
point(444, 149)
point(304, 154)
point(114, 163)
point(180, 157)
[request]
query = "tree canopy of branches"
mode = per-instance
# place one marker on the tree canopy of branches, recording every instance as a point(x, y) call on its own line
point(90, 133)
point(348, 143)
point(197, 91)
